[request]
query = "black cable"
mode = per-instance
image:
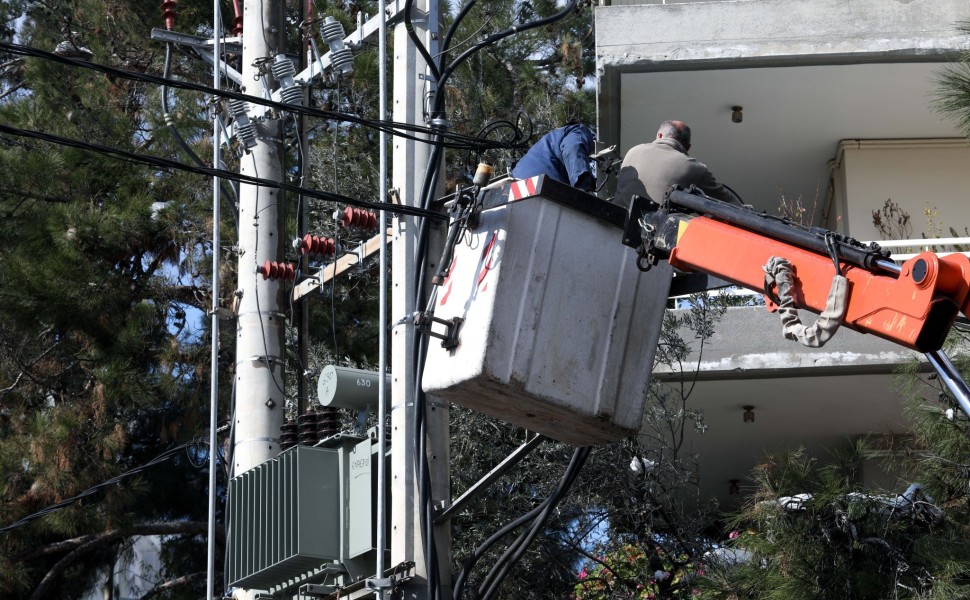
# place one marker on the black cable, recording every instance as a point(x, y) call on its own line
point(165, 163)
point(457, 141)
point(421, 250)
point(166, 114)
point(164, 456)
point(446, 73)
point(228, 189)
point(418, 44)
point(514, 552)
point(833, 248)
point(487, 544)
point(446, 45)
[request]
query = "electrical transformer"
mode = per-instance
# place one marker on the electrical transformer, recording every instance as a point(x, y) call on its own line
point(303, 516)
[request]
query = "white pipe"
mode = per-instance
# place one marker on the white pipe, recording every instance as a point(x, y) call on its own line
point(382, 314)
point(214, 326)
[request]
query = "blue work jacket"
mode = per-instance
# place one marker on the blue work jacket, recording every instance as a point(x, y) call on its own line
point(562, 154)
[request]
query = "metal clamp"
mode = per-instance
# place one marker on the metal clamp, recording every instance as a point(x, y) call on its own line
point(449, 339)
point(316, 590)
point(398, 575)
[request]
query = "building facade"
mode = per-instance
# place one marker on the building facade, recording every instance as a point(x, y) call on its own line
point(822, 110)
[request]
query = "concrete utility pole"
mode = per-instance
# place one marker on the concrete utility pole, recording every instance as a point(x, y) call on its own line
point(259, 320)
point(410, 159)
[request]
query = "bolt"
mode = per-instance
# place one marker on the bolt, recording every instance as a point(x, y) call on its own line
point(270, 404)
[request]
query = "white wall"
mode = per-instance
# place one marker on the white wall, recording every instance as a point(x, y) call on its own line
point(928, 179)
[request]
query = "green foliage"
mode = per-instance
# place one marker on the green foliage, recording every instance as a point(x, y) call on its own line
point(813, 532)
point(98, 372)
point(639, 572)
point(953, 88)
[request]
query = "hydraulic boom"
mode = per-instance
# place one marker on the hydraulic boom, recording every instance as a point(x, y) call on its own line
point(851, 284)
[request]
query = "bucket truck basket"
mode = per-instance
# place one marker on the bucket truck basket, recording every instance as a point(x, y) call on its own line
point(558, 326)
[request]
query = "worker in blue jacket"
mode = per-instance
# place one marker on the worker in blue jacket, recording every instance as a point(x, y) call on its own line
point(562, 154)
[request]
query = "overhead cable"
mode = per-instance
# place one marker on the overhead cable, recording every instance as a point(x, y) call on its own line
point(516, 550)
point(164, 456)
point(451, 140)
point(166, 113)
point(165, 163)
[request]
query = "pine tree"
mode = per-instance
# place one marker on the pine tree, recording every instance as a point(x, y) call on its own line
point(103, 362)
point(104, 265)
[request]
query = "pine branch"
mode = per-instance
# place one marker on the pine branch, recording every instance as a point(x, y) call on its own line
point(192, 295)
point(174, 583)
point(32, 196)
point(82, 546)
point(24, 369)
point(171, 528)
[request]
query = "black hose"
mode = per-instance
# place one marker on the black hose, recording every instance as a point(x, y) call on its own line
point(409, 27)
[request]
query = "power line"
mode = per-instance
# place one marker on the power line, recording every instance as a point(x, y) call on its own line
point(165, 163)
point(450, 140)
point(164, 456)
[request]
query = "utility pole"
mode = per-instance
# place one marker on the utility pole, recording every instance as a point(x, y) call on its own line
point(411, 91)
point(259, 320)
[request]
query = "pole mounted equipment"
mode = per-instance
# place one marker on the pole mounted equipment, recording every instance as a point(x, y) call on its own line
point(245, 128)
point(360, 218)
point(284, 72)
point(168, 13)
point(313, 245)
point(341, 56)
point(237, 22)
point(277, 271)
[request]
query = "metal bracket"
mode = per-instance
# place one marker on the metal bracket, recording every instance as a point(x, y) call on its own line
point(423, 323)
point(398, 575)
point(232, 45)
point(222, 312)
point(204, 47)
point(316, 590)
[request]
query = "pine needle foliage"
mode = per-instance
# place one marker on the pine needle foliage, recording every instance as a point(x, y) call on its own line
point(812, 531)
point(98, 373)
point(953, 88)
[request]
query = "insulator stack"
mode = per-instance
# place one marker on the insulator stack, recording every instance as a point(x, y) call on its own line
point(328, 422)
point(245, 128)
point(237, 22)
point(168, 13)
point(307, 427)
point(318, 246)
point(288, 434)
point(341, 57)
point(284, 72)
point(358, 217)
point(277, 270)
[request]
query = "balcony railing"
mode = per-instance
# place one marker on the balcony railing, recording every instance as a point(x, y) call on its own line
point(941, 246)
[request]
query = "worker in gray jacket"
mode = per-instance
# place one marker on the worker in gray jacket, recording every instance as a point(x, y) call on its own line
point(648, 170)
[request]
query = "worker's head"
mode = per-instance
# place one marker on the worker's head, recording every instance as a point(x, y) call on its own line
point(675, 130)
